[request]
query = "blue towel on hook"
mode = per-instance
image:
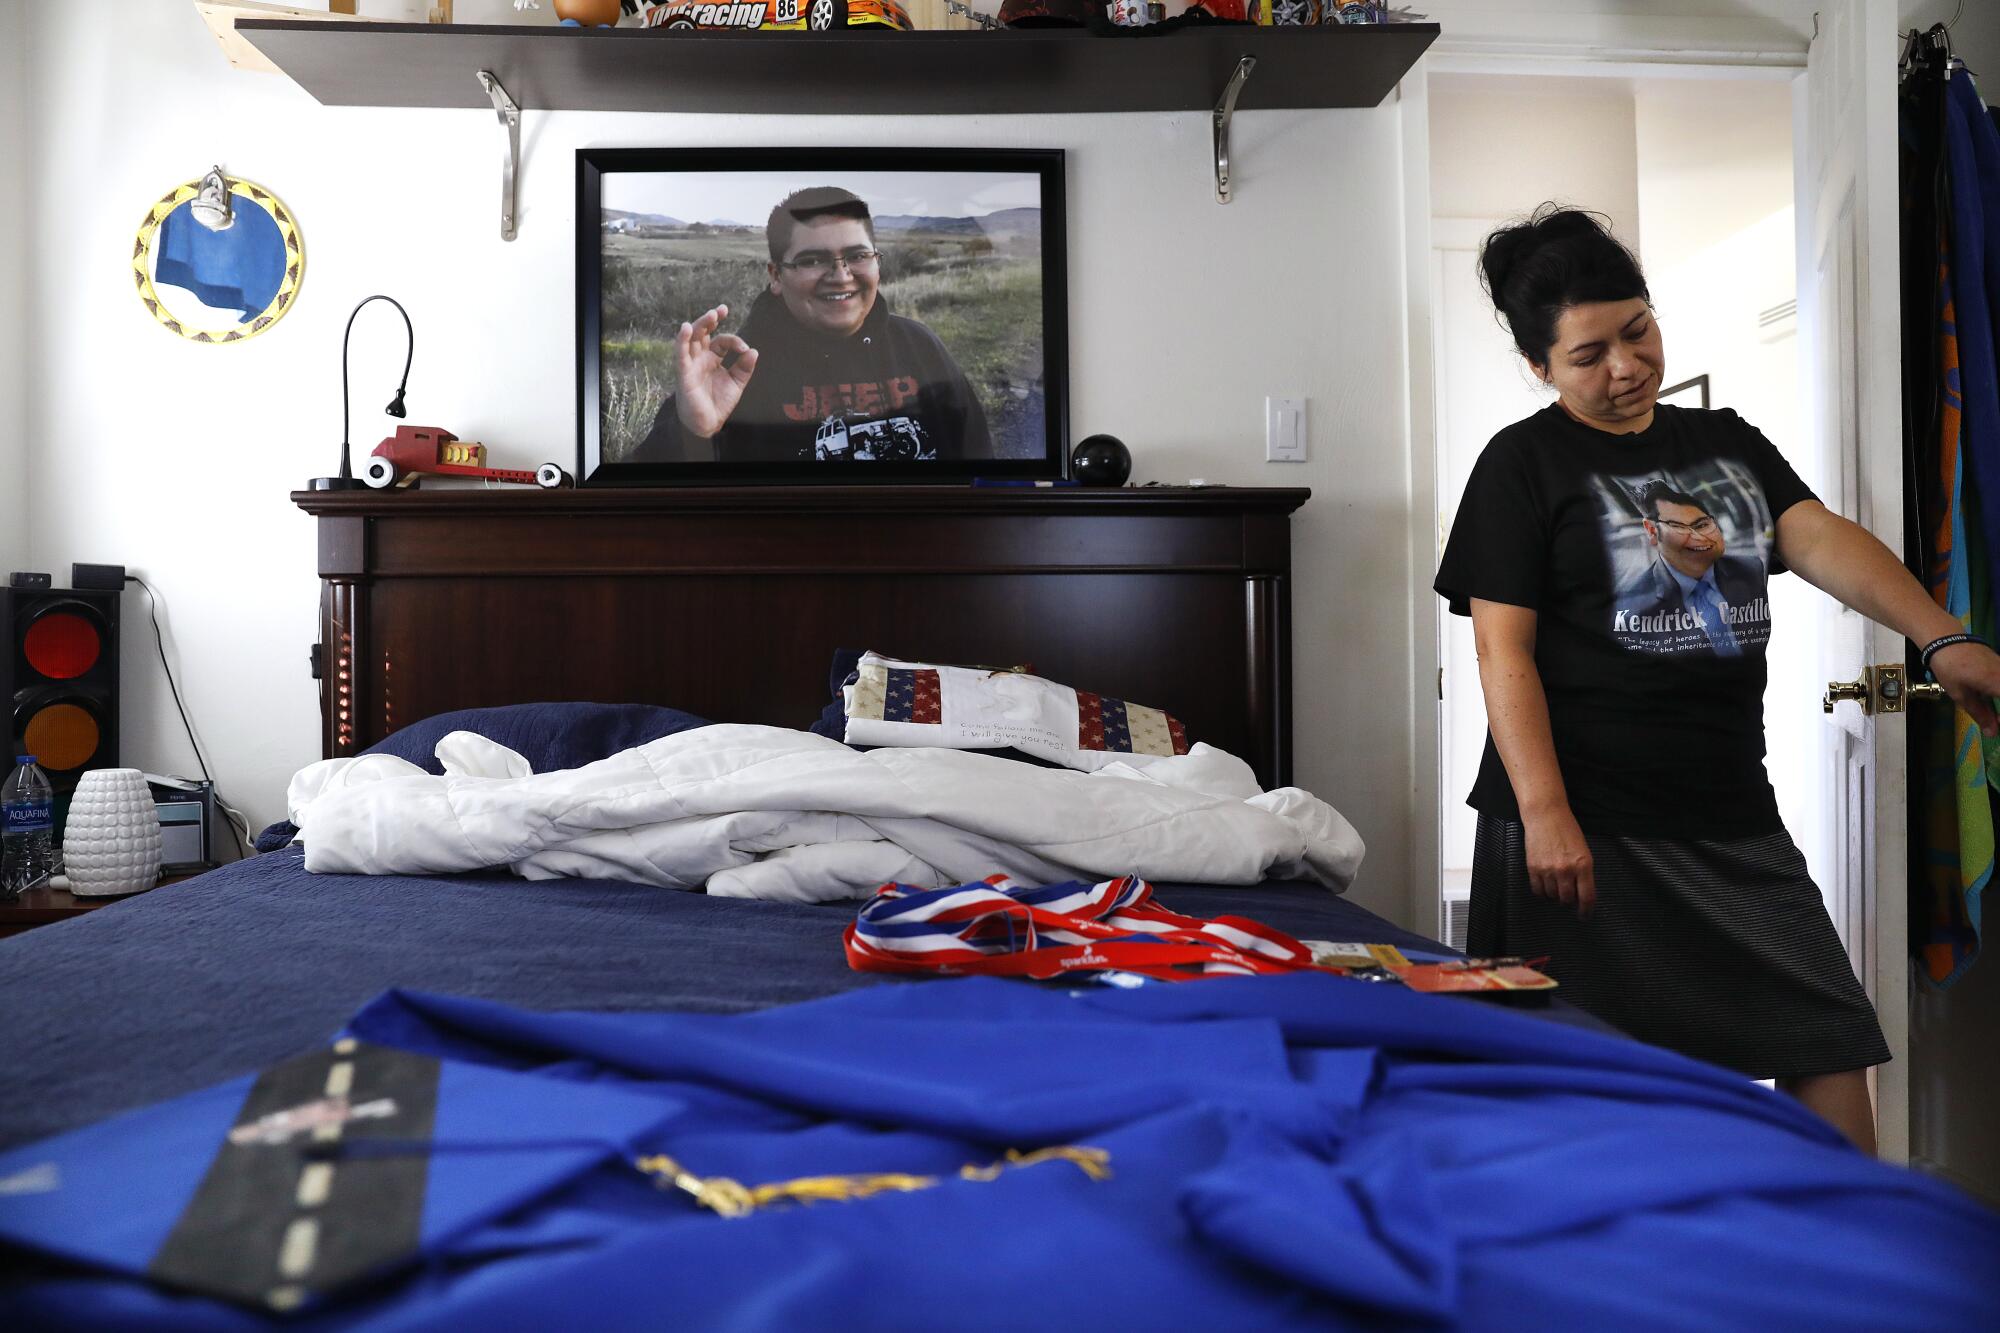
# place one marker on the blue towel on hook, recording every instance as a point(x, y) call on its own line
point(237, 269)
point(1972, 146)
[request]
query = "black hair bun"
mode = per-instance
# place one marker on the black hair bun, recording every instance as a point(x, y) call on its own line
point(1554, 221)
point(1556, 257)
point(1500, 256)
point(1510, 246)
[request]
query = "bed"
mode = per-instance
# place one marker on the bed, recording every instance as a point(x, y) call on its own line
point(1282, 1151)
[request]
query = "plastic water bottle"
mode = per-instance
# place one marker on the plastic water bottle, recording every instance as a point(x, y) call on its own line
point(27, 828)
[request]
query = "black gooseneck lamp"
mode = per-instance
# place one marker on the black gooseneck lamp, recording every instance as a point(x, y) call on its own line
point(347, 481)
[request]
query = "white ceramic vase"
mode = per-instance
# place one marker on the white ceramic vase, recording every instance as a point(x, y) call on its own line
point(111, 844)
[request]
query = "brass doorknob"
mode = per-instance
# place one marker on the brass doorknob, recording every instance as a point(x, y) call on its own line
point(1882, 688)
point(1892, 691)
point(1857, 690)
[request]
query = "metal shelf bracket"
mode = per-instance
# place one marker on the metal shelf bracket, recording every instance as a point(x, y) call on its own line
point(1225, 107)
point(510, 116)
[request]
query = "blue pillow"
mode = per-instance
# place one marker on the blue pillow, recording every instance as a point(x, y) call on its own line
point(548, 736)
point(833, 718)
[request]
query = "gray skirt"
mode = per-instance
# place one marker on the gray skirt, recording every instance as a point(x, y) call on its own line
point(1719, 950)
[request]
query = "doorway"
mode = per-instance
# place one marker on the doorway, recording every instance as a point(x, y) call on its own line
point(1697, 176)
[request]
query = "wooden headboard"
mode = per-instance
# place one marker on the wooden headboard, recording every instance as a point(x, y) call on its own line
point(729, 602)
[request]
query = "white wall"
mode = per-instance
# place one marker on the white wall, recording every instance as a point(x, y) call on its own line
point(176, 459)
point(14, 340)
point(1502, 144)
point(1715, 157)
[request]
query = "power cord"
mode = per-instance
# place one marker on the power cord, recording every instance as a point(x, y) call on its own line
point(239, 827)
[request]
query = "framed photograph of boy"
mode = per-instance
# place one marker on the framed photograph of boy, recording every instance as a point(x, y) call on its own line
point(820, 315)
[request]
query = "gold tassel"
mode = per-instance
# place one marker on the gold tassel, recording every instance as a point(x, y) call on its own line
point(721, 1194)
point(814, 1188)
point(730, 1198)
point(1090, 1161)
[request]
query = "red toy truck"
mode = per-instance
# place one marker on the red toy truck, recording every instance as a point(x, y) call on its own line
point(414, 451)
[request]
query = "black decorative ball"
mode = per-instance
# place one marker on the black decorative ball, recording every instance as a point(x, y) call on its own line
point(1100, 460)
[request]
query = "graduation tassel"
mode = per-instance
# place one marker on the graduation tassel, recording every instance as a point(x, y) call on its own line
point(721, 1194)
point(1090, 1161)
point(730, 1198)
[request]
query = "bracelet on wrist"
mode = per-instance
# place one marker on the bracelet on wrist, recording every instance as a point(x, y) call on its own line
point(1946, 641)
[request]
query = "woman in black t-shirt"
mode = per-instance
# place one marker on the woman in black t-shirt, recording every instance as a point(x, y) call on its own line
point(1614, 556)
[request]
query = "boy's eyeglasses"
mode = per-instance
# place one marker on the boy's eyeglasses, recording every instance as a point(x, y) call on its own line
point(817, 263)
point(1701, 527)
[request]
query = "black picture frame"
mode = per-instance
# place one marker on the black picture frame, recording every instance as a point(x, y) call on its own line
point(1019, 372)
point(1688, 393)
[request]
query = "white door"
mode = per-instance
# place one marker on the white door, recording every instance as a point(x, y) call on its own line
point(1483, 386)
point(1849, 315)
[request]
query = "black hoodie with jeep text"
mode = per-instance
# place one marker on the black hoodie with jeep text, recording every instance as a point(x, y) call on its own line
point(889, 392)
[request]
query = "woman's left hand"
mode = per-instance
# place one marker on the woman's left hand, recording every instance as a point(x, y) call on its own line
point(1840, 557)
point(1970, 674)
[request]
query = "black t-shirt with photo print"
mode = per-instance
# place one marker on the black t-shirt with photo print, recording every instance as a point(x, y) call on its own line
point(1646, 558)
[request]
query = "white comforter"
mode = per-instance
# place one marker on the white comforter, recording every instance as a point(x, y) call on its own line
point(761, 812)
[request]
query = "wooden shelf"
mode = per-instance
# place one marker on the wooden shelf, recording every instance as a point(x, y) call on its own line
point(842, 501)
point(1016, 71)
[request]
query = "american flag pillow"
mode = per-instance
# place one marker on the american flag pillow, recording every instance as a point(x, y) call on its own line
point(890, 702)
point(896, 694)
point(1116, 726)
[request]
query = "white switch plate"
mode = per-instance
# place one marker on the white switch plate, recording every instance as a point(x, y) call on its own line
point(1284, 430)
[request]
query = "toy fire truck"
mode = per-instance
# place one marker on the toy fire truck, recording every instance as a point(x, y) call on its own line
point(414, 451)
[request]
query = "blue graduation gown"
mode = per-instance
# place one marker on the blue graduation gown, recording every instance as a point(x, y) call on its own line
point(1284, 1152)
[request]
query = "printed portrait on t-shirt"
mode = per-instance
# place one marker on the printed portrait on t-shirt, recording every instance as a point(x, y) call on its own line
point(1689, 552)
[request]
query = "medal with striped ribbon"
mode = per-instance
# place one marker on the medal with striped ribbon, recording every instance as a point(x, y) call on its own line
point(996, 927)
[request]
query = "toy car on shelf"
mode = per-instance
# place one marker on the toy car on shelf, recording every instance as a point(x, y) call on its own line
point(806, 15)
point(416, 451)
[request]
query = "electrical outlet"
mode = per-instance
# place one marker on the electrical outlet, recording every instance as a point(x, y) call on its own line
point(1284, 430)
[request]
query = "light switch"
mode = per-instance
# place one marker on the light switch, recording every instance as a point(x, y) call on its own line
point(1284, 430)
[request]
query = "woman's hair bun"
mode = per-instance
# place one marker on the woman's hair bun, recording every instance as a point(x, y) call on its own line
point(1556, 257)
point(1554, 221)
point(1499, 255)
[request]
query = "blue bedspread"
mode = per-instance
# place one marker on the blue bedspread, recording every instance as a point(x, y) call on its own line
point(1273, 1152)
point(208, 978)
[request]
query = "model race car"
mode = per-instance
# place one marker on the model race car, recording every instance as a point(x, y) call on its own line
point(806, 15)
point(416, 451)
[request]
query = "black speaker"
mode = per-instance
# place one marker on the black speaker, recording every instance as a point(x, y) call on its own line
point(59, 677)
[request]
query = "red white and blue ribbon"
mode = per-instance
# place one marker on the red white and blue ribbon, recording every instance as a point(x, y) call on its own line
point(996, 927)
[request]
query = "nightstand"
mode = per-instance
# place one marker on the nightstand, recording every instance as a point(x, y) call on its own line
point(39, 907)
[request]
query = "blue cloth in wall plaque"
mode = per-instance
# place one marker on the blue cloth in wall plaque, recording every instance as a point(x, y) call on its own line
point(237, 269)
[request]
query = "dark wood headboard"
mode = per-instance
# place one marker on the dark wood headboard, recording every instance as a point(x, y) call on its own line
point(729, 603)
